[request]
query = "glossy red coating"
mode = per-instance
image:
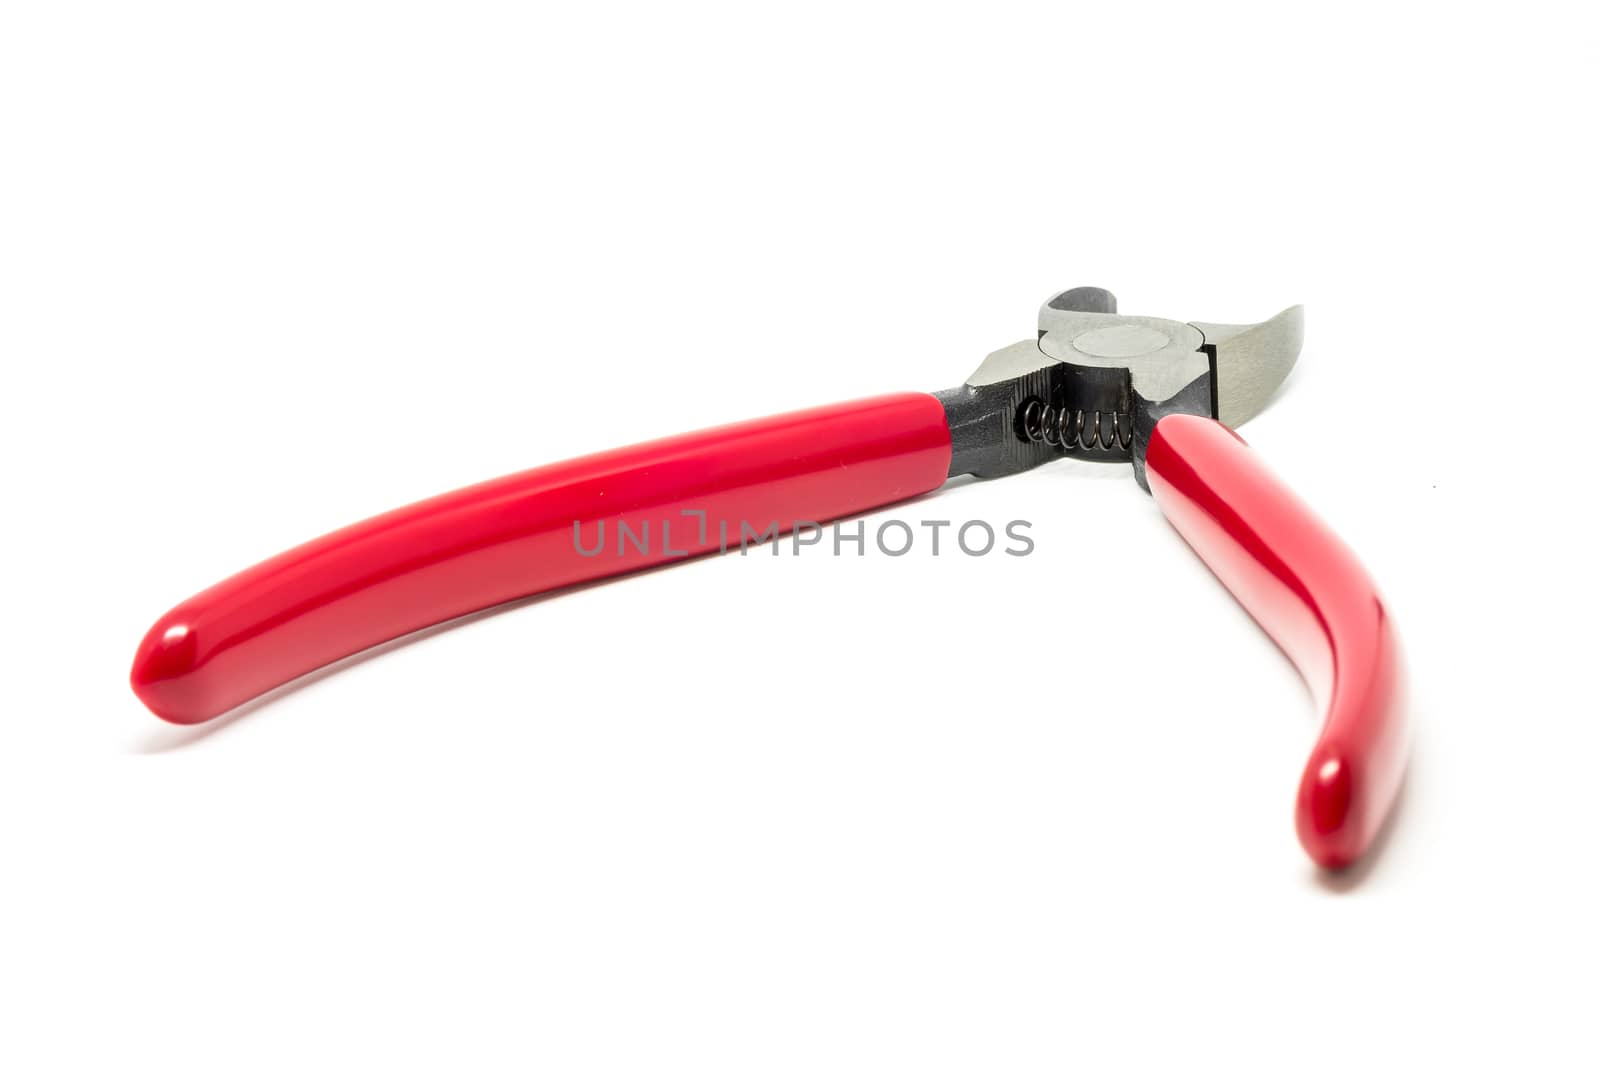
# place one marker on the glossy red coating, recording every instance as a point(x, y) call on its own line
point(516, 536)
point(1311, 594)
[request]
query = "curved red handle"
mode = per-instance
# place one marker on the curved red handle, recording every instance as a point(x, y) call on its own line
point(532, 532)
point(1311, 594)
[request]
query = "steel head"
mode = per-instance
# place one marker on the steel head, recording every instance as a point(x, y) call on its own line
point(1163, 357)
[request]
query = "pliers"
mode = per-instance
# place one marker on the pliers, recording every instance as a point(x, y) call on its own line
point(1095, 385)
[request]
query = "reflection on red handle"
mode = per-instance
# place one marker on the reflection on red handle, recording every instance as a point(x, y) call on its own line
point(516, 536)
point(1311, 594)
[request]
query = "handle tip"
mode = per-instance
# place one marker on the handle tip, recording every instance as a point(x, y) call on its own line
point(1326, 818)
point(166, 660)
point(1345, 801)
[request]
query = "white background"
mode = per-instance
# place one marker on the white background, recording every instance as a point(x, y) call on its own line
point(268, 269)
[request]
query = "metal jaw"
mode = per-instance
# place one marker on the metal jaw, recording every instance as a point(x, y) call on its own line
point(1094, 384)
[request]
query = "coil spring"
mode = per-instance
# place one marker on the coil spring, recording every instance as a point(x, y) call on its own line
point(1072, 428)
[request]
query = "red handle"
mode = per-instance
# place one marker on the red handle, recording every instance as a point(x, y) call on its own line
point(1311, 594)
point(532, 532)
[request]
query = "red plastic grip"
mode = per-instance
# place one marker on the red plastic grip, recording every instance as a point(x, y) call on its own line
point(515, 536)
point(1311, 594)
